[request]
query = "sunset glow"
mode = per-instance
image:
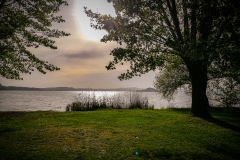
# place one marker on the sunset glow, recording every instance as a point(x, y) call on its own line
point(87, 32)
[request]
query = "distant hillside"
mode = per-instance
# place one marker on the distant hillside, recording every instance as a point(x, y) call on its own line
point(58, 89)
point(68, 89)
point(128, 89)
point(149, 90)
point(44, 89)
point(18, 88)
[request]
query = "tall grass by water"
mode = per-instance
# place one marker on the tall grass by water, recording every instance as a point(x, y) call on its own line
point(89, 101)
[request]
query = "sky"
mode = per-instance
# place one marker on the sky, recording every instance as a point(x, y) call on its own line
point(81, 56)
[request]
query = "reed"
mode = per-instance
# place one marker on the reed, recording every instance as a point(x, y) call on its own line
point(89, 101)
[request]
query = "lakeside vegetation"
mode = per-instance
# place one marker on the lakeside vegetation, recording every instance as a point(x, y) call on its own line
point(89, 101)
point(119, 134)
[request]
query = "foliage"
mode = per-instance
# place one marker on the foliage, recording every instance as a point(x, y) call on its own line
point(201, 37)
point(226, 91)
point(169, 79)
point(118, 134)
point(25, 24)
point(155, 32)
point(87, 101)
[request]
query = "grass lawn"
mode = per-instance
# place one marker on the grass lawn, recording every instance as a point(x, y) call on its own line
point(119, 134)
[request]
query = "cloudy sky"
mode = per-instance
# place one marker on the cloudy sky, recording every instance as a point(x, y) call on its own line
point(81, 56)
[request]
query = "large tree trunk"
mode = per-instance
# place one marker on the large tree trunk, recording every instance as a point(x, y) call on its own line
point(200, 104)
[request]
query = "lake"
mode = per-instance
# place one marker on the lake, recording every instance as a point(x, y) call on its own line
point(58, 100)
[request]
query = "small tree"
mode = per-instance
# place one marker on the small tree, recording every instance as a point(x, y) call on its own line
point(172, 77)
point(23, 24)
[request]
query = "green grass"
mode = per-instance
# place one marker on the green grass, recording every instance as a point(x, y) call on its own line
point(118, 134)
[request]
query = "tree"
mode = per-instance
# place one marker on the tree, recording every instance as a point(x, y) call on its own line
point(24, 24)
point(225, 90)
point(201, 36)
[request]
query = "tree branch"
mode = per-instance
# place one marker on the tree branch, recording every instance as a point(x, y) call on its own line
point(185, 19)
point(2, 3)
point(150, 26)
point(173, 12)
point(5, 5)
point(168, 22)
point(193, 21)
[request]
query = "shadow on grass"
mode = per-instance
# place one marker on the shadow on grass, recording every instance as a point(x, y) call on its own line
point(180, 110)
point(6, 130)
point(169, 154)
point(228, 118)
point(232, 113)
point(224, 124)
point(159, 153)
point(11, 114)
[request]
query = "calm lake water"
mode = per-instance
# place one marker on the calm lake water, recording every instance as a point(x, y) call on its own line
point(58, 100)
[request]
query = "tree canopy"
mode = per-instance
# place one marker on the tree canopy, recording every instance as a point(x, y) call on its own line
point(198, 37)
point(24, 24)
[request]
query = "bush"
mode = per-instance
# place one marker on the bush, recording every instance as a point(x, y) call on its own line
point(88, 101)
